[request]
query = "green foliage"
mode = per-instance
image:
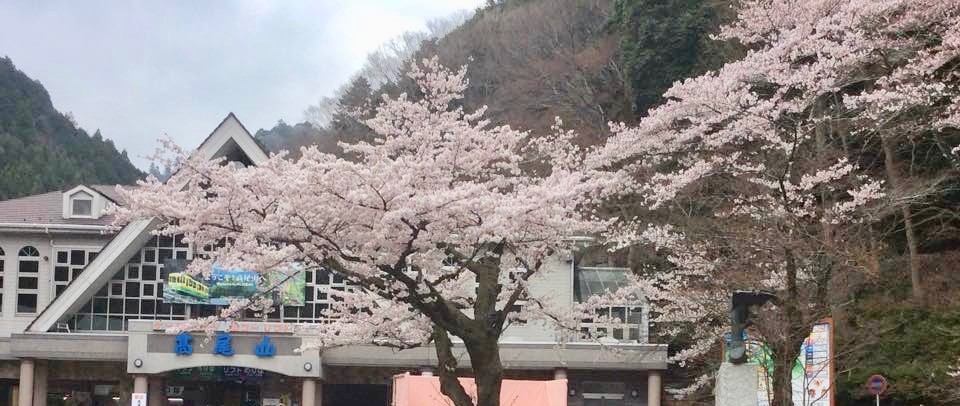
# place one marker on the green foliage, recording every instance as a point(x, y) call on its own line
point(663, 41)
point(914, 348)
point(43, 150)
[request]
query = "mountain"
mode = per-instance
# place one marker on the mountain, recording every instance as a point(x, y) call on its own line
point(42, 149)
point(587, 61)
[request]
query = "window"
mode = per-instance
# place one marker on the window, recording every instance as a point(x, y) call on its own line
point(622, 321)
point(317, 297)
point(68, 264)
point(81, 204)
point(28, 274)
point(1, 279)
point(134, 292)
point(618, 322)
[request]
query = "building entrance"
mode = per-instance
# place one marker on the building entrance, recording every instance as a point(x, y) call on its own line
point(229, 386)
point(356, 395)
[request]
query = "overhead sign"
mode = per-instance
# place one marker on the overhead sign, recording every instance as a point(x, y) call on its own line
point(284, 285)
point(138, 399)
point(876, 384)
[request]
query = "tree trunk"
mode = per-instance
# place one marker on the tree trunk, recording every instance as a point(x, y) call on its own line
point(785, 350)
point(485, 362)
point(449, 385)
point(893, 176)
point(782, 376)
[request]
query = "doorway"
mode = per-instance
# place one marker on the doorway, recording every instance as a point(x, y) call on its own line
point(356, 395)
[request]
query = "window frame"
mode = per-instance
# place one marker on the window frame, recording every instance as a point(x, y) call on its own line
point(3, 262)
point(81, 195)
point(35, 291)
point(110, 309)
point(69, 265)
point(73, 206)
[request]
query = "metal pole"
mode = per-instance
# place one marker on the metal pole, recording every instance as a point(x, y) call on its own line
point(878, 399)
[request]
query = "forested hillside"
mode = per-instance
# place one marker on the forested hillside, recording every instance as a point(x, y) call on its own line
point(42, 149)
point(591, 62)
point(587, 61)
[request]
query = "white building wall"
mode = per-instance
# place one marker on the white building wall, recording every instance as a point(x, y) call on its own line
point(555, 282)
point(11, 243)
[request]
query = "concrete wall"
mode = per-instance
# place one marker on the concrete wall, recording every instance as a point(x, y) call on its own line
point(10, 321)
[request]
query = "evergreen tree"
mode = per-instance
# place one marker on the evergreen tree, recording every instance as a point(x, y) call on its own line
point(43, 150)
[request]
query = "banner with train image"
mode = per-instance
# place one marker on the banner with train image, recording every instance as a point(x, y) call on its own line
point(284, 285)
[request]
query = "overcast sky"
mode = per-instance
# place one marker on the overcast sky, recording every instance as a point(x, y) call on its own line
point(140, 69)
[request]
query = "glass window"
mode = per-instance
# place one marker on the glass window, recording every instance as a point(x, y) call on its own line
point(27, 282)
point(29, 251)
point(82, 207)
point(70, 262)
point(136, 290)
point(1, 276)
point(591, 281)
point(27, 278)
point(26, 303)
point(29, 266)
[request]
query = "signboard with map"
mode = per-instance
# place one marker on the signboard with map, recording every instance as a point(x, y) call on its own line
point(284, 285)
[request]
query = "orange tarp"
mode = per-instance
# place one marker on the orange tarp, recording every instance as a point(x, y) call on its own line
point(418, 390)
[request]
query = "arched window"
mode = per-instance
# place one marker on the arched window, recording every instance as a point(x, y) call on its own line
point(28, 276)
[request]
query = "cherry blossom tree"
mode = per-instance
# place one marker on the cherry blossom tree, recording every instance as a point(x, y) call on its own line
point(438, 224)
point(752, 176)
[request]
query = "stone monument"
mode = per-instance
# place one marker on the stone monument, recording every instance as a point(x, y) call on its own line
point(736, 385)
point(737, 380)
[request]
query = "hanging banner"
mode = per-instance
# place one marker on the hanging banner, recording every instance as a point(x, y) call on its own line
point(284, 285)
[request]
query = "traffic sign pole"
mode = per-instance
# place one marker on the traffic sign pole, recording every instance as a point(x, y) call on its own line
point(876, 384)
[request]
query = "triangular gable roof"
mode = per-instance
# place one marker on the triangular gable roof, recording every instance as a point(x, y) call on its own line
point(229, 137)
point(91, 190)
point(229, 133)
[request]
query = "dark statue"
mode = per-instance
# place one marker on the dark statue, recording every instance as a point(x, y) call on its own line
point(740, 320)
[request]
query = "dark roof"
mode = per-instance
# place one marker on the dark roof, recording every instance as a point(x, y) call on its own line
point(47, 208)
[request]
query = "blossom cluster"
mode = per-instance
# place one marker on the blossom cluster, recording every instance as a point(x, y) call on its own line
point(411, 218)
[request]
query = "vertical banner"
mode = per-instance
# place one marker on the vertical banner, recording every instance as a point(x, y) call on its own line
point(812, 371)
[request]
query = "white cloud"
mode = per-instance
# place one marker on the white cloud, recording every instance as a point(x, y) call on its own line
point(143, 69)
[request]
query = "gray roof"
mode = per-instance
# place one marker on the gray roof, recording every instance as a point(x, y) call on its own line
point(47, 208)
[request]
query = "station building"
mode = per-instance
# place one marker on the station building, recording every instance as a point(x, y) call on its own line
point(83, 322)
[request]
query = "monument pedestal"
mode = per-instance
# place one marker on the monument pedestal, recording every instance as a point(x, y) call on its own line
point(736, 385)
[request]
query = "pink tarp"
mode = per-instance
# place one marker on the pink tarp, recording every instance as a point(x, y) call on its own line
point(418, 390)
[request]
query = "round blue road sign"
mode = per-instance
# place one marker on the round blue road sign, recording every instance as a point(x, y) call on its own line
point(876, 384)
